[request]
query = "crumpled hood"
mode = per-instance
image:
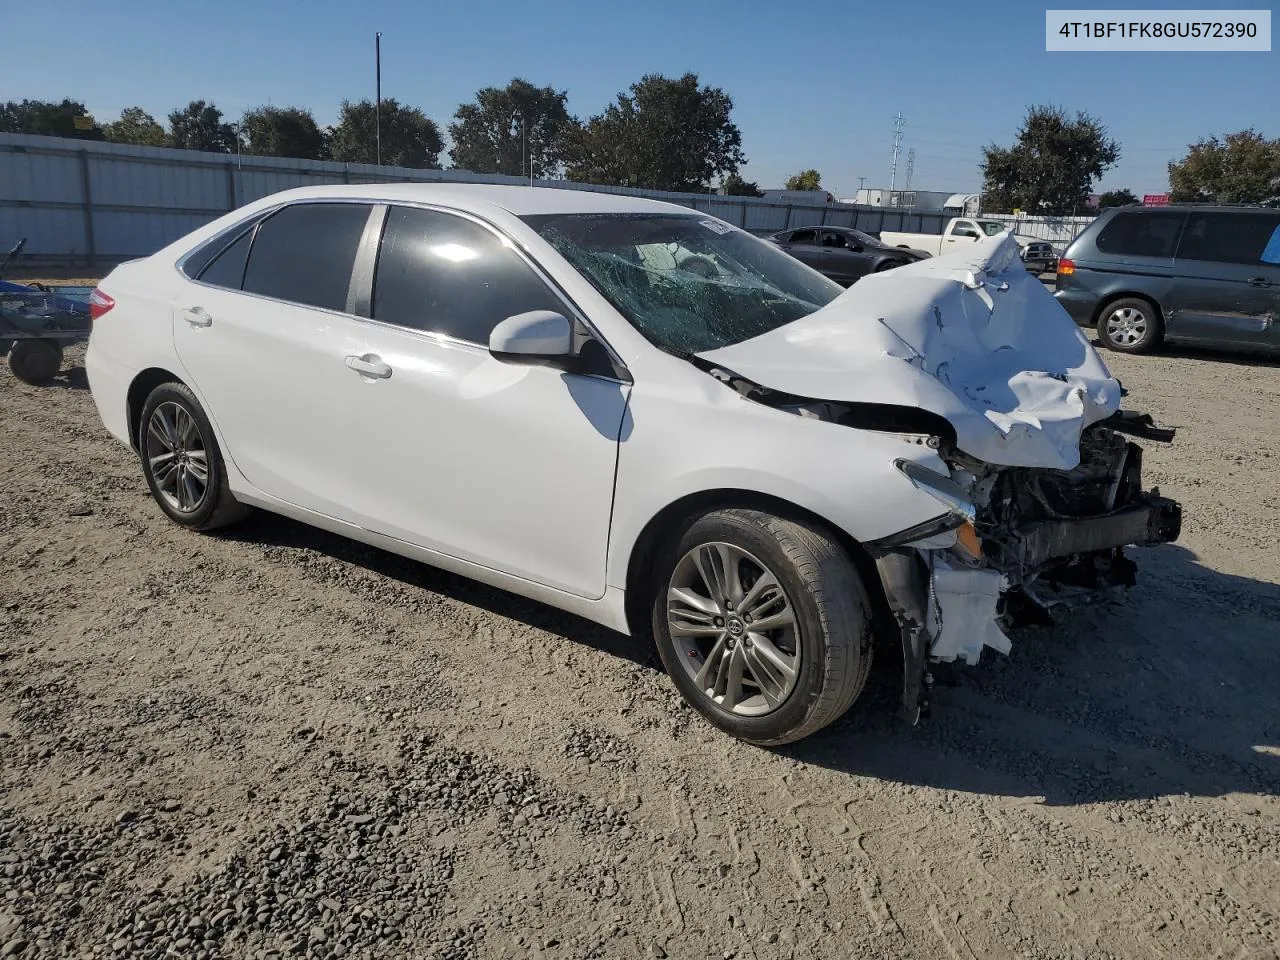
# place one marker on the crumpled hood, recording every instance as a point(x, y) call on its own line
point(970, 336)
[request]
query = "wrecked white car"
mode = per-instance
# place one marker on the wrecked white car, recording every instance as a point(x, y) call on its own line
point(645, 416)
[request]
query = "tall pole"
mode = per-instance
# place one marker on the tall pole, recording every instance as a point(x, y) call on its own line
point(377, 104)
point(897, 146)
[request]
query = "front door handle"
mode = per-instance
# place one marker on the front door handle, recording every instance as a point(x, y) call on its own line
point(197, 317)
point(369, 365)
point(1259, 282)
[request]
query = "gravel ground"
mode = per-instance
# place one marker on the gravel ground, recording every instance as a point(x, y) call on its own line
point(277, 743)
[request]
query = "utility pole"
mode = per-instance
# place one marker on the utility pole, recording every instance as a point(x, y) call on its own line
point(377, 103)
point(897, 146)
point(911, 165)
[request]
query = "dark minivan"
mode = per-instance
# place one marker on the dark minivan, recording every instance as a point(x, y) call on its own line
point(1197, 274)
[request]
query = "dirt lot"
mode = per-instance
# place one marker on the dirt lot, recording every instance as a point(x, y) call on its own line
point(277, 742)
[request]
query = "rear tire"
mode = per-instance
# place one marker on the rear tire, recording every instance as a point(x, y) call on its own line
point(1130, 325)
point(790, 574)
point(182, 463)
point(36, 362)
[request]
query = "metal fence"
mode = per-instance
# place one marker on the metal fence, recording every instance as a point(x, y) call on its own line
point(91, 204)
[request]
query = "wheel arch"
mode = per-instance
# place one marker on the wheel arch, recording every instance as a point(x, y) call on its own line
point(671, 519)
point(139, 390)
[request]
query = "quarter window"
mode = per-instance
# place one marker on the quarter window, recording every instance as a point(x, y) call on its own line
point(448, 275)
point(1227, 237)
point(305, 252)
point(1141, 234)
point(227, 268)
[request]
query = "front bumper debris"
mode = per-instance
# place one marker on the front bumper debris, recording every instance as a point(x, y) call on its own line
point(1157, 521)
point(1038, 539)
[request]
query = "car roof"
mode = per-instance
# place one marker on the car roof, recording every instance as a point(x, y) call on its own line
point(1192, 208)
point(481, 197)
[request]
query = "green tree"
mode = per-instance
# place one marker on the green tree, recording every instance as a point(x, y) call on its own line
point(137, 127)
point(409, 137)
point(282, 132)
point(804, 180)
point(1243, 167)
point(48, 118)
point(1117, 198)
point(1051, 167)
point(199, 126)
point(664, 134)
point(507, 128)
point(735, 186)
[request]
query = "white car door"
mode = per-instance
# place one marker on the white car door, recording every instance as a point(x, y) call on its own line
point(962, 231)
point(263, 334)
point(508, 465)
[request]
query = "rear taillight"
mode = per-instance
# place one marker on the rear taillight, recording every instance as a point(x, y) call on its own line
point(99, 304)
point(1066, 267)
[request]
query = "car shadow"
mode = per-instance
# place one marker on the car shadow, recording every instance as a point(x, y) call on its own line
point(72, 378)
point(268, 529)
point(1239, 356)
point(1174, 691)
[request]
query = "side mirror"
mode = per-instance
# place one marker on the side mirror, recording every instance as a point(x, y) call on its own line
point(539, 336)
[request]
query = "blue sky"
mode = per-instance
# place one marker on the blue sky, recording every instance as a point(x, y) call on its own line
point(814, 85)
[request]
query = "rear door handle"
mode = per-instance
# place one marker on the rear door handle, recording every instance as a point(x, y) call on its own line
point(369, 365)
point(197, 317)
point(1259, 282)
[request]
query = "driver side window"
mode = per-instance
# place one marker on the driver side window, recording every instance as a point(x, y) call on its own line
point(445, 274)
point(964, 230)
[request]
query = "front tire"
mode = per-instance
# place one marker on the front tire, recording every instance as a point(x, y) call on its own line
point(1130, 325)
point(763, 625)
point(182, 463)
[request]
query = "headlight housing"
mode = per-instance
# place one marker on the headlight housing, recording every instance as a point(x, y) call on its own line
point(942, 488)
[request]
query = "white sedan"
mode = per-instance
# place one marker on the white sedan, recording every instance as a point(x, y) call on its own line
point(643, 415)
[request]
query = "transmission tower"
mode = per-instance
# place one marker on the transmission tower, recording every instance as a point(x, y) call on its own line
point(897, 146)
point(911, 166)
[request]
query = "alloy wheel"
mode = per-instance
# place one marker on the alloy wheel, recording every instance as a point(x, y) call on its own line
point(177, 457)
point(734, 628)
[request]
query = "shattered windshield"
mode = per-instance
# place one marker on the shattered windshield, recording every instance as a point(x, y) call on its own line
point(687, 282)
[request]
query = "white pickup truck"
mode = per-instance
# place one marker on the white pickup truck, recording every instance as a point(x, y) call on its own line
point(1038, 255)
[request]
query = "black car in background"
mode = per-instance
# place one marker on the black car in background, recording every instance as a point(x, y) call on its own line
point(1197, 274)
point(842, 253)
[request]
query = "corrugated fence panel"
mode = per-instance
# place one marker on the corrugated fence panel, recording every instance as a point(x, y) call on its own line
point(139, 234)
point(40, 177)
point(145, 197)
point(50, 232)
point(119, 181)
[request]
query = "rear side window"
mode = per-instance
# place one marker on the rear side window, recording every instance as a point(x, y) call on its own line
point(1230, 238)
point(448, 275)
point(198, 260)
point(1141, 234)
point(305, 252)
point(804, 236)
point(227, 268)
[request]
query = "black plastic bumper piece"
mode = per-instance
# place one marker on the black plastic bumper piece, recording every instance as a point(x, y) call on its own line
point(1156, 520)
